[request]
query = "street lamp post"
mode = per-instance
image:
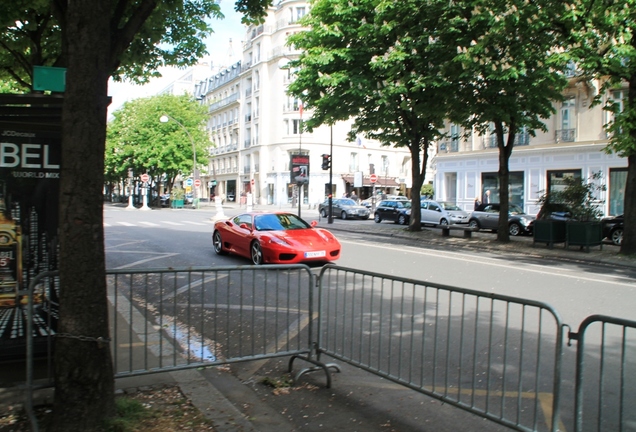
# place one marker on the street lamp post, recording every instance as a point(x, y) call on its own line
point(165, 119)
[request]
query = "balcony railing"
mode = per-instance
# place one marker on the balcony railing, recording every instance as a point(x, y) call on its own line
point(247, 144)
point(565, 135)
point(522, 138)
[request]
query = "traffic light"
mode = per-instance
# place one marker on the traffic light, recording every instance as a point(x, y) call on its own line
point(326, 161)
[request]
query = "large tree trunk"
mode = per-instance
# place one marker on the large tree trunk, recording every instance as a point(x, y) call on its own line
point(505, 149)
point(629, 233)
point(84, 383)
point(419, 171)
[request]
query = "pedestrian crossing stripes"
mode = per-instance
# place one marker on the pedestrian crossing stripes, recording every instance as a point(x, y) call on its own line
point(165, 224)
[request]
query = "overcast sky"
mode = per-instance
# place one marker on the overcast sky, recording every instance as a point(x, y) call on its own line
point(218, 47)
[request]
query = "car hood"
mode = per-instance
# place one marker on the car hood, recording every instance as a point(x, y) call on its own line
point(303, 236)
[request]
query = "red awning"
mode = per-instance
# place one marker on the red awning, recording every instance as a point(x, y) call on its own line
point(382, 181)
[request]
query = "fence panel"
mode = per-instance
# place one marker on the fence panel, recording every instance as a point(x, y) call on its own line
point(182, 318)
point(496, 356)
point(606, 374)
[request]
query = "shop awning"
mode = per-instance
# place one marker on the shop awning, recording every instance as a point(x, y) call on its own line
point(381, 182)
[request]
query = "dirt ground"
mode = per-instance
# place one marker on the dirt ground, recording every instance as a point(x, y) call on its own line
point(165, 409)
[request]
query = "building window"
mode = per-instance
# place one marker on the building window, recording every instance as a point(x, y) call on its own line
point(491, 193)
point(385, 165)
point(353, 162)
point(567, 133)
point(292, 126)
point(556, 179)
point(617, 182)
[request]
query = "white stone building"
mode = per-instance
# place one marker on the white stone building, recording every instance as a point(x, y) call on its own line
point(572, 146)
point(255, 128)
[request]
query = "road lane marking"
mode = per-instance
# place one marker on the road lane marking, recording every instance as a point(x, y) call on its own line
point(172, 223)
point(158, 257)
point(150, 224)
point(126, 224)
point(496, 262)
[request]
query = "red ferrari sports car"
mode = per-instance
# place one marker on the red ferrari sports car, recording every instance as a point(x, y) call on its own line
point(274, 238)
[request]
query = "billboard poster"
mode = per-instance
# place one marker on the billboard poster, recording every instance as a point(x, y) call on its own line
point(299, 169)
point(30, 159)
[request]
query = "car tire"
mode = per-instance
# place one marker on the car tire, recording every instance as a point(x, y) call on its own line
point(514, 229)
point(217, 243)
point(443, 222)
point(617, 236)
point(256, 253)
point(377, 218)
point(323, 213)
point(474, 224)
point(343, 215)
point(402, 220)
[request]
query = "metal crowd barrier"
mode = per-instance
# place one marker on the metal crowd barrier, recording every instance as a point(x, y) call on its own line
point(172, 319)
point(496, 356)
point(605, 374)
point(493, 355)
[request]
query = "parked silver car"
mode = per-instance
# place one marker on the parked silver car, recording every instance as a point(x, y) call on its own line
point(344, 208)
point(486, 216)
point(442, 213)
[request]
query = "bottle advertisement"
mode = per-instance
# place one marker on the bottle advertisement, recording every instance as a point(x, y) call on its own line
point(29, 184)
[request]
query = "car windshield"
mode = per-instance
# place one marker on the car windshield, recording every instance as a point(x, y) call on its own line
point(347, 202)
point(514, 209)
point(404, 204)
point(449, 206)
point(279, 222)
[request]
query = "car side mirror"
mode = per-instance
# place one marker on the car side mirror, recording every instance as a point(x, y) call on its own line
point(313, 223)
point(244, 226)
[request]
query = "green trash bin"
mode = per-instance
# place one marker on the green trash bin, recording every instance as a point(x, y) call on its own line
point(195, 203)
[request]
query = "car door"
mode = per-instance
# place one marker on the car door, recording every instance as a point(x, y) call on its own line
point(387, 211)
point(490, 219)
point(240, 238)
point(433, 213)
point(425, 213)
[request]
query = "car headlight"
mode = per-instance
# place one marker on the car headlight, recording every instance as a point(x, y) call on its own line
point(279, 241)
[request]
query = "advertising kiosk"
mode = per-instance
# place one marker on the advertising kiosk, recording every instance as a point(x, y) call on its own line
point(30, 161)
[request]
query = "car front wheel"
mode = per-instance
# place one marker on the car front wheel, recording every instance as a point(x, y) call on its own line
point(443, 222)
point(217, 242)
point(323, 213)
point(514, 229)
point(473, 224)
point(402, 220)
point(343, 215)
point(256, 253)
point(617, 236)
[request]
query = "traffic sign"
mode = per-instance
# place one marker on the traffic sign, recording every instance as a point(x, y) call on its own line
point(188, 182)
point(373, 178)
point(197, 183)
point(145, 178)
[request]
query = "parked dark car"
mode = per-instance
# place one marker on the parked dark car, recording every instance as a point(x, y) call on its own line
point(555, 211)
point(397, 211)
point(164, 200)
point(344, 208)
point(613, 229)
point(487, 217)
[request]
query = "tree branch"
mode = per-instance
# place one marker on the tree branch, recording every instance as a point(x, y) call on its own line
point(121, 37)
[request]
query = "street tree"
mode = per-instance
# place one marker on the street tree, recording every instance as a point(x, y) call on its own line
point(94, 39)
point(137, 140)
point(604, 47)
point(380, 64)
point(511, 72)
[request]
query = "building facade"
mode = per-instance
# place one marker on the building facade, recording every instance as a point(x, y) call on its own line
point(255, 129)
point(465, 169)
